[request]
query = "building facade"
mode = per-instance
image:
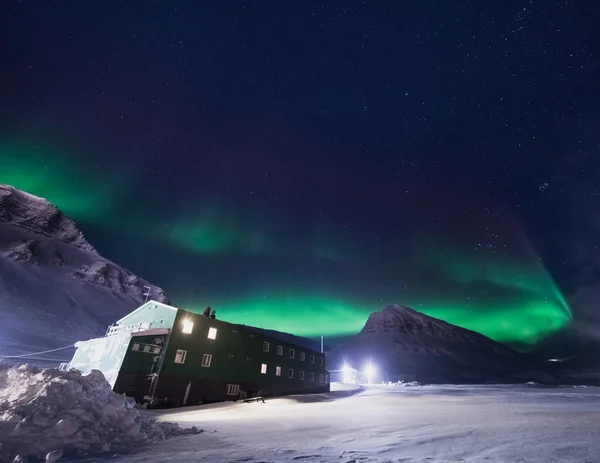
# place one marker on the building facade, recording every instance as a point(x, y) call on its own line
point(167, 355)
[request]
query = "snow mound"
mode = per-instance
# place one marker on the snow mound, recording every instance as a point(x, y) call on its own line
point(51, 413)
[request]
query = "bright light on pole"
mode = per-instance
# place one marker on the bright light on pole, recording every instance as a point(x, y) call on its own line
point(370, 372)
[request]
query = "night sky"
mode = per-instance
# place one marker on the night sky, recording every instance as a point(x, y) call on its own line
point(298, 165)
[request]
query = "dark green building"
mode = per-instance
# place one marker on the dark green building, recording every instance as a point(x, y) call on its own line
point(163, 354)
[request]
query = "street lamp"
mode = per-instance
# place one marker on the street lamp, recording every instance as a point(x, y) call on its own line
point(370, 372)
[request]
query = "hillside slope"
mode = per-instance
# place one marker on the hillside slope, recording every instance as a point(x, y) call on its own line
point(55, 288)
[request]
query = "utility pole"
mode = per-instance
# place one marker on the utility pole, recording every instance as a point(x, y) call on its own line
point(146, 294)
point(321, 344)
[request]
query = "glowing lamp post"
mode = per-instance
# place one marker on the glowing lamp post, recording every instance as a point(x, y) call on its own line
point(369, 372)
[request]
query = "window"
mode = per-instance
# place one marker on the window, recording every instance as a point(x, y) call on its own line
point(321, 378)
point(279, 350)
point(302, 356)
point(180, 356)
point(233, 389)
point(291, 373)
point(157, 350)
point(188, 327)
point(326, 379)
point(292, 353)
point(277, 371)
point(263, 368)
point(136, 347)
point(146, 348)
point(312, 376)
point(321, 360)
point(206, 360)
point(266, 346)
point(301, 375)
point(212, 333)
point(312, 359)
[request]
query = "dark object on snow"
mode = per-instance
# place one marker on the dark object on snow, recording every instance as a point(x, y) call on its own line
point(206, 312)
point(251, 396)
point(213, 314)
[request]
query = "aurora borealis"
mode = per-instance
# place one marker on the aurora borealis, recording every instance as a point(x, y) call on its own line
point(300, 174)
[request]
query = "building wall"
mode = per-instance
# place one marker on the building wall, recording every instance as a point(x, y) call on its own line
point(237, 359)
point(139, 365)
point(104, 354)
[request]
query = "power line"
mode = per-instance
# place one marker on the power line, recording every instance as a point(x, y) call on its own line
point(36, 353)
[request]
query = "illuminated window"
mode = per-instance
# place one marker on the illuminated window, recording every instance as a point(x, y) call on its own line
point(312, 376)
point(279, 350)
point(263, 368)
point(312, 359)
point(233, 389)
point(277, 371)
point(206, 360)
point(321, 379)
point(266, 346)
point(292, 353)
point(180, 356)
point(136, 347)
point(291, 373)
point(212, 333)
point(301, 375)
point(157, 350)
point(188, 327)
point(302, 356)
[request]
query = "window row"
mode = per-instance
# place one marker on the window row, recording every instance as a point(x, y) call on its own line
point(267, 348)
point(181, 354)
point(188, 327)
point(147, 348)
point(311, 375)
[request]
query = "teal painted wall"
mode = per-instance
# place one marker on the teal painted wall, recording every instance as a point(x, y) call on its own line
point(103, 354)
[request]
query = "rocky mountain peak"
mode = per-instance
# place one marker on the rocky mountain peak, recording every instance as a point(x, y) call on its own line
point(398, 319)
point(37, 215)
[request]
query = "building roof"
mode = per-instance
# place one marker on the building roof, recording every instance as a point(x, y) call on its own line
point(143, 306)
point(288, 338)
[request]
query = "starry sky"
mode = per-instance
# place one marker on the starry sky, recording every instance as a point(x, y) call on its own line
point(298, 165)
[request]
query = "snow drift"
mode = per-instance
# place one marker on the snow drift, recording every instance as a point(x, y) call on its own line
point(64, 413)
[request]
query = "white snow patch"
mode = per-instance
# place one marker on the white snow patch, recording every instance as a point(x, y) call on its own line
point(50, 413)
point(433, 424)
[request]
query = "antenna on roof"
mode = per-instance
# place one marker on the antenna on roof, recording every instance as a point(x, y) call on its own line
point(146, 294)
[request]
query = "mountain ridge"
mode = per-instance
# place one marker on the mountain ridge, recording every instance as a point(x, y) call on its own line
point(408, 345)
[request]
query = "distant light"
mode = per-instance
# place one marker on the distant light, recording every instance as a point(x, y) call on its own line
point(554, 360)
point(370, 372)
point(346, 368)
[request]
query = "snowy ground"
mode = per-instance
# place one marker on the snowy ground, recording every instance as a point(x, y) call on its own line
point(399, 424)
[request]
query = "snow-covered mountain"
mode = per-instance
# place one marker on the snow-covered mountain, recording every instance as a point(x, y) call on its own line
point(55, 288)
point(403, 344)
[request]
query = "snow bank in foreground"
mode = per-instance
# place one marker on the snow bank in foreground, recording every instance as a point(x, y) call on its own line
point(63, 412)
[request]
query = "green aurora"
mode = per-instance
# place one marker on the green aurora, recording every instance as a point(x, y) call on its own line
point(507, 296)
